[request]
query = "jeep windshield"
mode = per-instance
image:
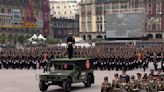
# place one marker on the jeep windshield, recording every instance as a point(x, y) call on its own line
point(54, 67)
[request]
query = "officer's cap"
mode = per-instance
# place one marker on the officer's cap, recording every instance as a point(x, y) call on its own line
point(139, 74)
point(116, 74)
point(105, 78)
point(152, 70)
point(132, 77)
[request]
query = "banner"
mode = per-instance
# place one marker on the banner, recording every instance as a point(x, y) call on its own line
point(45, 13)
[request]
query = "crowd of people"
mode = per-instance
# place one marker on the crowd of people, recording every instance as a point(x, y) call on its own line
point(110, 56)
point(140, 83)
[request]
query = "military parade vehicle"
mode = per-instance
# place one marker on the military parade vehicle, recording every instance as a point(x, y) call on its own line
point(64, 72)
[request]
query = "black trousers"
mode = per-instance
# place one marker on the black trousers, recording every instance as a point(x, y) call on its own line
point(70, 51)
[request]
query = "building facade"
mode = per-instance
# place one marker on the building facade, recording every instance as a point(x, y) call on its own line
point(154, 26)
point(62, 27)
point(93, 12)
point(22, 17)
point(67, 9)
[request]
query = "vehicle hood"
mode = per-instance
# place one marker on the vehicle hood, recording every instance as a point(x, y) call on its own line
point(58, 73)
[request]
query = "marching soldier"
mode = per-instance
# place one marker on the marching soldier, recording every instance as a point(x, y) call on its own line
point(116, 83)
point(125, 86)
point(109, 65)
point(145, 85)
point(159, 83)
point(155, 65)
point(134, 87)
point(139, 79)
point(152, 83)
point(144, 66)
point(106, 86)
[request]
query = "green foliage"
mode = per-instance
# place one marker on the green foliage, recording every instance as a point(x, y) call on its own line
point(97, 40)
point(3, 39)
point(27, 37)
point(52, 41)
point(21, 38)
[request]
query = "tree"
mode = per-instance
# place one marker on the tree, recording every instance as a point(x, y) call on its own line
point(21, 39)
point(52, 41)
point(3, 38)
point(27, 37)
point(97, 40)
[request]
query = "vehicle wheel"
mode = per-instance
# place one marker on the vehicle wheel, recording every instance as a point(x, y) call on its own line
point(43, 86)
point(88, 81)
point(67, 86)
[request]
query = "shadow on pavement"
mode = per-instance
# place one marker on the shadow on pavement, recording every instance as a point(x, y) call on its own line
point(61, 90)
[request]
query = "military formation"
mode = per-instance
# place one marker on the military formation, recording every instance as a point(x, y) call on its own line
point(140, 83)
point(23, 63)
point(109, 56)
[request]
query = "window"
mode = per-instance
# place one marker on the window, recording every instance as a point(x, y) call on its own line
point(9, 10)
point(97, 28)
point(55, 67)
point(97, 18)
point(150, 12)
point(2, 10)
point(158, 27)
point(54, 13)
point(149, 5)
point(58, 7)
point(68, 67)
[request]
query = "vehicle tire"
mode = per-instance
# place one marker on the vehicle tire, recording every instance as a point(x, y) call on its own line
point(67, 86)
point(88, 81)
point(43, 86)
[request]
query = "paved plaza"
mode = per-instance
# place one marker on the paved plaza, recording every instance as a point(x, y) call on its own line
point(25, 81)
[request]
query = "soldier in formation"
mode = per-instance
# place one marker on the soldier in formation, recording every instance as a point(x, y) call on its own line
point(108, 57)
point(145, 83)
point(106, 86)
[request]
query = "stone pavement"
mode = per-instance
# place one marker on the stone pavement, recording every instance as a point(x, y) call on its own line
point(25, 81)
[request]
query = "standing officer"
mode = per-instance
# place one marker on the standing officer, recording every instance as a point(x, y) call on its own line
point(155, 65)
point(70, 42)
point(106, 86)
point(144, 66)
point(159, 83)
point(134, 87)
point(145, 85)
point(116, 83)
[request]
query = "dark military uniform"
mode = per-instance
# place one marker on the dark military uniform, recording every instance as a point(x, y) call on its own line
point(70, 42)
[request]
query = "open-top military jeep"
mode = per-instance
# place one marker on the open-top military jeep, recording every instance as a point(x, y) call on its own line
point(63, 72)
